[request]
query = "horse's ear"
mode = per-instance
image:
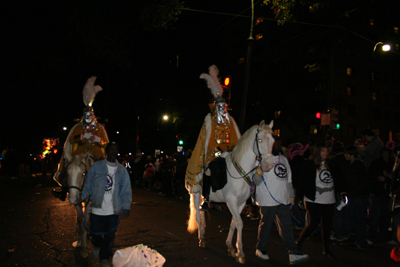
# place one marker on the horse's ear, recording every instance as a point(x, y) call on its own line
point(262, 124)
point(67, 156)
point(271, 124)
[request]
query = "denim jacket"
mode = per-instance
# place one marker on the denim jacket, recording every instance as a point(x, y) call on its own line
point(95, 184)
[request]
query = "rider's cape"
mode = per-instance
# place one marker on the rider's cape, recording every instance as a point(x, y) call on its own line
point(206, 143)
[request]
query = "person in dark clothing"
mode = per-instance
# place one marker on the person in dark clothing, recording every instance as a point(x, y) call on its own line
point(168, 172)
point(342, 218)
point(379, 175)
point(318, 189)
point(298, 161)
point(358, 191)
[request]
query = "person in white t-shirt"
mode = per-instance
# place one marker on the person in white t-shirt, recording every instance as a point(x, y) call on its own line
point(109, 186)
point(273, 192)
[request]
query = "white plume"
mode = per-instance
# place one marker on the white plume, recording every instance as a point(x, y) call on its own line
point(90, 90)
point(213, 81)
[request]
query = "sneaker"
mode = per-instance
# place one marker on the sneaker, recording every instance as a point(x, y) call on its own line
point(95, 253)
point(262, 255)
point(297, 258)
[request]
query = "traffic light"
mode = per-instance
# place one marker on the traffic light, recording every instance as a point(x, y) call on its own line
point(181, 142)
point(337, 126)
point(318, 115)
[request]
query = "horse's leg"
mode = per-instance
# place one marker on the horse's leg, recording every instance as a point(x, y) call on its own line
point(78, 208)
point(86, 215)
point(237, 223)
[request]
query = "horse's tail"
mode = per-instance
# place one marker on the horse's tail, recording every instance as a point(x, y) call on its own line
point(192, 223)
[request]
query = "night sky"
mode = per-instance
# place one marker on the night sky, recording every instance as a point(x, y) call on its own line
point(50, 49)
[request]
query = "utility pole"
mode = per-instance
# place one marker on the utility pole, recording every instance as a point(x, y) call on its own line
point(247, 71)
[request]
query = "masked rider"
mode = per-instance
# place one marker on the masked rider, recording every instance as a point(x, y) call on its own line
point(219, 134)
point(86, 136)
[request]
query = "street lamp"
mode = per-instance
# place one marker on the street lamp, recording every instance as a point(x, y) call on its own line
point(385, 47)
point(372, 96)
point(165, 117)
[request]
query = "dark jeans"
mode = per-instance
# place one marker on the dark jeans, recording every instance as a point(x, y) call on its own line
point(342, 221)
point(282, 216)
point(103, 224)
point(379, 219)
point(358, 207)
point(299, 214)
point(316, 214)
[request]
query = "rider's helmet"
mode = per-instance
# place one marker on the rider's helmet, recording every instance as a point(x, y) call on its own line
point(89, 92)
point(219, 107)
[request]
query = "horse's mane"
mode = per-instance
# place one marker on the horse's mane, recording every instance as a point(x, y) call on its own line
point(243, 144)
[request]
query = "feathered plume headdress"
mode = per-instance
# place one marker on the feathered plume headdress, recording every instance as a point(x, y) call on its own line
point(213, 81)
point(90, 90)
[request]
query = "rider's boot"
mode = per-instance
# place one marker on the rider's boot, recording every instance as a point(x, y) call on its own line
point(206, 192)
point(62, 194)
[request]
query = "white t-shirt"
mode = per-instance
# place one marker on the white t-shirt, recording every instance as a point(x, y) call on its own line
point(277, 188)
point(107, 205)
point(325, 189)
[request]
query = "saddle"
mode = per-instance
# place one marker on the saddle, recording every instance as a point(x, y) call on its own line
point(218, 173)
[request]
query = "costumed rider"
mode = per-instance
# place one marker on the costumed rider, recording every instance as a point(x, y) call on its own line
point(219, 134)
point(86, 136)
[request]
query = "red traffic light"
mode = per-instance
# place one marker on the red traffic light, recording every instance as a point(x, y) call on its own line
point(176, 136)
point(227, 81)
point(318, 115)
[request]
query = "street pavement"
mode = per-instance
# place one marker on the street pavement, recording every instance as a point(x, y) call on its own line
point(37, 229)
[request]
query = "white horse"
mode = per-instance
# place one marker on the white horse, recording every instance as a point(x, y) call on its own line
point(254, 148)
point(77, 168)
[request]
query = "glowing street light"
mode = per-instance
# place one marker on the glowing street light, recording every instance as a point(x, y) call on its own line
point(385, 47)
point(165, 117)
point(64, 128)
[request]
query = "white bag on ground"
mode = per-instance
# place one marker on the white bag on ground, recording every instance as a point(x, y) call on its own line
point(137, 256)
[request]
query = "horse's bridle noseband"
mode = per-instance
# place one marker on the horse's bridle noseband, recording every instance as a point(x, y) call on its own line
point(259, 154)
point(84, 174)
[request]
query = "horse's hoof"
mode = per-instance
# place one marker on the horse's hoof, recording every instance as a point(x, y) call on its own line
point(241, 260)
point(202, 244)
point(231, 253)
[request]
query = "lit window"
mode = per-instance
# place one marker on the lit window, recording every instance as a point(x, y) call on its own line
point(259, 20)
point(277, 132)
point(371, 22)
point(373, 95)
point(240, 60)
point(313, 129)
point(348, 90)
point(349, 71)
point(395, 29)
point(259, 36)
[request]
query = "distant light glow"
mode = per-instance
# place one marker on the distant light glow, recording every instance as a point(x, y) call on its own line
point(129, 153)
point(386, 47)
point(64, 128)
point(165, 117)
point(117, 132)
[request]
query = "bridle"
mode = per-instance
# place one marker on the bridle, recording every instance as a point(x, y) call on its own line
point(83, 174)
point(259, 155)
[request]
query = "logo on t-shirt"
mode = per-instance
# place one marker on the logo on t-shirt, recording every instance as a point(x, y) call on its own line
point(280, 171)
point(109, 184)
point(325, 176)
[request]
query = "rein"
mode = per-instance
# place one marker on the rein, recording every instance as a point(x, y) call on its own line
point(102, 233)
point(84, 173)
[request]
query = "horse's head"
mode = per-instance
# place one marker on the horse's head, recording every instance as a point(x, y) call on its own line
point(263, 145)
point(76, 169)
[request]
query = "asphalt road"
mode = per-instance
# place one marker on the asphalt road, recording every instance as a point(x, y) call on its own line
point(38, 230)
